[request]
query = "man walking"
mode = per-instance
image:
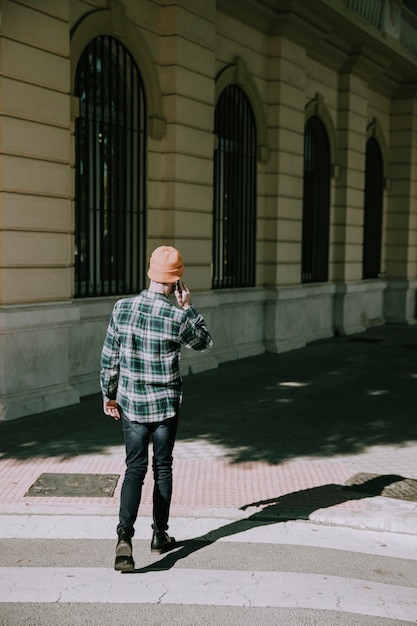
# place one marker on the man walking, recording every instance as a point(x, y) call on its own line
point(141, 385)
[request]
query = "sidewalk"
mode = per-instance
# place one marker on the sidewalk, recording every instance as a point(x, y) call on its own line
point(270, 438)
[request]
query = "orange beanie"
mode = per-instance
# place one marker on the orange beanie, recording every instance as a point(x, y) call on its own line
point(166, 265)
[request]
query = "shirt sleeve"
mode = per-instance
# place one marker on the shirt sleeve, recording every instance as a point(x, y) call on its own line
point(193, 332)
point(110, 362)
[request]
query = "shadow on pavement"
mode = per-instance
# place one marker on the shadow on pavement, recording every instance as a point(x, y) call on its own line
point(334, 396)
point(74, 430)
point(292, 506)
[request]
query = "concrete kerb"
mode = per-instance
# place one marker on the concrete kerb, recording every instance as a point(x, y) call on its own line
point(381, 514)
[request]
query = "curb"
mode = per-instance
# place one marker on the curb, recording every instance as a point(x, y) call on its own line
point(381, 514)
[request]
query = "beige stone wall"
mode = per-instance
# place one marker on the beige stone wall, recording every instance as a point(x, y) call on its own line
point(284, 180)
point(189, 44)
point(352, 118)
point(180, 165)
point(36, 222)
point(401, 207)
point(379, 121)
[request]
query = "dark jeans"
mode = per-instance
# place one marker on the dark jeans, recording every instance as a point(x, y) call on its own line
point(137, 437)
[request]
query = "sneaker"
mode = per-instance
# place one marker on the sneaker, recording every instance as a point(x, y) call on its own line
point(161, 541)
point(124, 560)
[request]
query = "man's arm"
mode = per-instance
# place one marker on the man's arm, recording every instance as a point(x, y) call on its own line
point(193, 331)
point(110, 407)
point(109, 374)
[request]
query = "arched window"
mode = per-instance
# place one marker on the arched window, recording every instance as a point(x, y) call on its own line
point(316, 202)
point(110, 171)
point(374, 190)
point(234, 200)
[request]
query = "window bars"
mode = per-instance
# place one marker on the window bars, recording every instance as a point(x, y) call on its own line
point(110, 172)
point(234, 199)
point(373, 201)
point(316, 202)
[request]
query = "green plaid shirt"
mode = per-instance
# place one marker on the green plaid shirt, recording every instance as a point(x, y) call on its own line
point(140, 360)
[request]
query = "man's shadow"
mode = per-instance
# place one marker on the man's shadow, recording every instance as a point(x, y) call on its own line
point(292, 506)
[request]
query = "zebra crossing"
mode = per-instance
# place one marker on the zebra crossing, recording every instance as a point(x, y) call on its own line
point(58, 569)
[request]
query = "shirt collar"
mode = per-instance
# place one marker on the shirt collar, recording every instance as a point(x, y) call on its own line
point(154, 295)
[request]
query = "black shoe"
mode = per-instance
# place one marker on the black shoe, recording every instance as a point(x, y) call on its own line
point(124, 560)
point(161, 541)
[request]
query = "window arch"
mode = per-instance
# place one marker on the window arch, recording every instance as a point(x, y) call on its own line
point(237, 74)
point(110, 171)
point(316, 202)
point(234, 198)
point(373, 209)
point(112, 22)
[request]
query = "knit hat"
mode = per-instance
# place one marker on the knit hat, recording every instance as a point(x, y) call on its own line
point(166, 265)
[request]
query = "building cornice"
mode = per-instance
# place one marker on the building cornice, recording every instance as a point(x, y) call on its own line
point(332, 34)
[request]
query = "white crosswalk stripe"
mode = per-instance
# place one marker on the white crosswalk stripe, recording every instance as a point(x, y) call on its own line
point(201, 583)
point(213, 587)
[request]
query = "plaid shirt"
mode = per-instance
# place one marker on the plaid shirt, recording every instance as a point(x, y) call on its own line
point(140, 360)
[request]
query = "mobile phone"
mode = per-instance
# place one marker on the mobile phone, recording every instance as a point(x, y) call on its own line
point(178, 286)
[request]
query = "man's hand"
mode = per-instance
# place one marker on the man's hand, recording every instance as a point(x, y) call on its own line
point(183, 296)
point(110, 408)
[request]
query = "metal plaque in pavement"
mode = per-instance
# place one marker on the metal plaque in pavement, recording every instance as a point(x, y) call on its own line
point(74, 485)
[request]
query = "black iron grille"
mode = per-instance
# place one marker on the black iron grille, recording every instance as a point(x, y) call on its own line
point(316, 202)
point(110, 172)
point(374, 191)
point(234, 210)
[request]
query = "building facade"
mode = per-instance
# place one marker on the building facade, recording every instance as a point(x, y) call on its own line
point(274, 142)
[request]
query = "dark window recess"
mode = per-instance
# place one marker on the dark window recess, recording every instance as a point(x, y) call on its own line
point(110, 172)
point(316, 203)
point(234, 198)
point(374, 192)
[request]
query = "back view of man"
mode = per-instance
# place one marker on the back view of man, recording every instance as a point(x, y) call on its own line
point(141, 385)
